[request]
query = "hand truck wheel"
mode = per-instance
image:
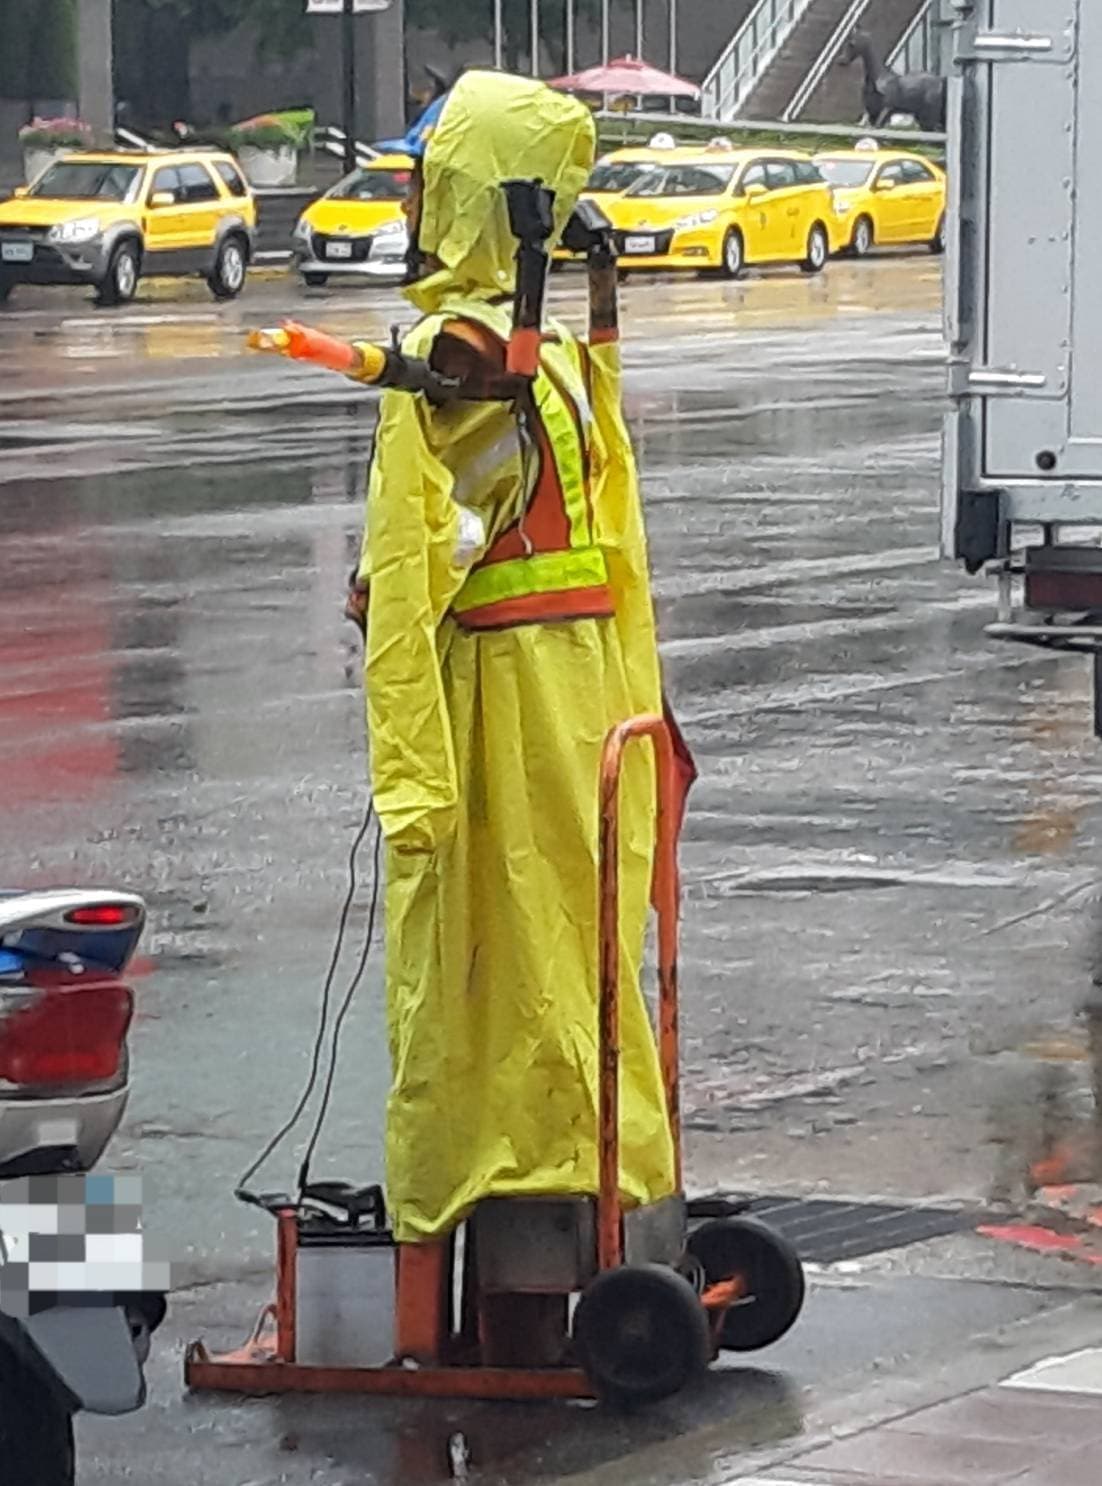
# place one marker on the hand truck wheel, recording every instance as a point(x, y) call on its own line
point(774, 1279)
point(640, 1333)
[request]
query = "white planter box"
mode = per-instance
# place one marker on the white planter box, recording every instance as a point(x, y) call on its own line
point(36, 160)
point(269, 167)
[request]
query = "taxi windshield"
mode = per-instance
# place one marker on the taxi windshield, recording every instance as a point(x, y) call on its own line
point(617, 175)
point(684, 180)
point(845, 173)
point(372, 185)
point(87, 180)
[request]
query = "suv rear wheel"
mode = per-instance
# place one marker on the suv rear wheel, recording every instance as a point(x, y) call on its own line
point(231, 262)
point(120, 283)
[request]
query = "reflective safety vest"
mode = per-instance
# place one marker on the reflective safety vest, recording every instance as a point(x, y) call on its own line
point(545, 567)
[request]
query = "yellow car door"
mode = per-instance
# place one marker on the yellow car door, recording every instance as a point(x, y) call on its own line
point(752, 198)
point(165, 217)
point(892, 209)
point(203, 209)
point(925, 199)
point(786, 211)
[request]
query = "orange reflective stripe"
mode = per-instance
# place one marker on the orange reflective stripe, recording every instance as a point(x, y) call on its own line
point(541, 608)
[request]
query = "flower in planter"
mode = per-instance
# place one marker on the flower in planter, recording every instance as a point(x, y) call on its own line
point(55, 134)
point(265, 132)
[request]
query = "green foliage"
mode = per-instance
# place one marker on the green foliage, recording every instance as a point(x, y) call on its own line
point(274, 131)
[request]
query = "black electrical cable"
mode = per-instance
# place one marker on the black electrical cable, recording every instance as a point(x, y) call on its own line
point(241, 1187)
point(327, 1092)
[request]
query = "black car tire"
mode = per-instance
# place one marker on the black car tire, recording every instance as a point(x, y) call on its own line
point(120, 283)
point(862, 240)
point(315, 280)
point(6, 286)
point(818, 250)
point(937, 242)
point(734, 255)
point(231, 266)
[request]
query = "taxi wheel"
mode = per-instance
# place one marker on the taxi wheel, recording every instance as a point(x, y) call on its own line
point(818, 250)
point(734, 254)
point(937, 242)
point(861, 241)
point(5, 290)
point(120, 283)
point(315, 280)
point(227, 277)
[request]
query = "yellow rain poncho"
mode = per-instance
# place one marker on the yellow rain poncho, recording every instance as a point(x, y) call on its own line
point(485, 747)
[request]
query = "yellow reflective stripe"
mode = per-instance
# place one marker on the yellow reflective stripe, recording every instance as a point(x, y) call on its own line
point(558, 417)
point(562, 433)
point(543, 572)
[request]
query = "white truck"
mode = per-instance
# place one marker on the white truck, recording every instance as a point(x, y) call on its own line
point(1023, 442)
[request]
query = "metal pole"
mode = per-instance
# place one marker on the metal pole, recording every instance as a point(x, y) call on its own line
point(673, 35)
point(570, 35)
point(604, 32)
point(348, 64)
point(534, 35)
point(639, 29)
point(499, 40)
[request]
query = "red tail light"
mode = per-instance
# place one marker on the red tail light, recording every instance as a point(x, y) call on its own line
point(102, 916)
point(66, 1037)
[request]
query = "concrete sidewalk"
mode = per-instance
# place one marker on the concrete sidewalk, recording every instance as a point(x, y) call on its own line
point(1039, 1427)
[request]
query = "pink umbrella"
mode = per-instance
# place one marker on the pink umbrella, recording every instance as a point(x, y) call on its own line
point(627, 75)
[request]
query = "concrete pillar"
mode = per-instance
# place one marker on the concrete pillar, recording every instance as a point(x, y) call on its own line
point(95, 84)
point(385, 100)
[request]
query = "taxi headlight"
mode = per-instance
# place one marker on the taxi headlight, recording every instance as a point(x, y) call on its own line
point(302, 228)
point(695, 219)
point(391, 229)
point(82, 230)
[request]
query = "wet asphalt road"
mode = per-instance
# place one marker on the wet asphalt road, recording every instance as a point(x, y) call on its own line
point(889, 866)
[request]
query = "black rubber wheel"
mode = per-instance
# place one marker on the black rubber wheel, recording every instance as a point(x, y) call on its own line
point(937, 242)
point(818, 250)
point(5, 290)
point(640, 1333)
point(775, 1285)
point(734, 255)
point(315, 280)
point(231, 265)
point(120, 283)
point(860, 244)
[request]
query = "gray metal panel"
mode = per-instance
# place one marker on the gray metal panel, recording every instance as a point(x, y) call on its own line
point(1031, 210)
point(537, 1245)
point(655, 1234)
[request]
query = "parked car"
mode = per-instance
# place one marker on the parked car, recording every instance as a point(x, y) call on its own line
point(725, 210)
point(357, 228)
point(885, 198)
point(65, 1013)
point(110, 219)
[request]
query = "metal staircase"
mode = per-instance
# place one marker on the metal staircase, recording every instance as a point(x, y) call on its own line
point(830, 93)
point(782, 61)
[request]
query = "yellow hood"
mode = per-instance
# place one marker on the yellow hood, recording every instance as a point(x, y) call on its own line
point(494, 128)
point(331, 215)
point(48, 211)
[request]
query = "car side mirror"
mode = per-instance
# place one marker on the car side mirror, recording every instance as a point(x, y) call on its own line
point(888, 185)
point(755, 188)
point(21, 190)
point(163, 198)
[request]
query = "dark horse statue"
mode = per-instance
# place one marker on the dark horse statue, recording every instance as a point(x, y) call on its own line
point(921, 95)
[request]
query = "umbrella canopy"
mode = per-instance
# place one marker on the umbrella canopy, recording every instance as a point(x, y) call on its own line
point(627, 75)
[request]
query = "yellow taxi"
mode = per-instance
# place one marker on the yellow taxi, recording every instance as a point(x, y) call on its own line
point(616, 171)
point(885, 197)
point(726, 209)
point(357, 228)
point(108, 219)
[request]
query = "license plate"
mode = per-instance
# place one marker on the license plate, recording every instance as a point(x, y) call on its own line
point(339, 250)
point(17, 252)
point(638, 245)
